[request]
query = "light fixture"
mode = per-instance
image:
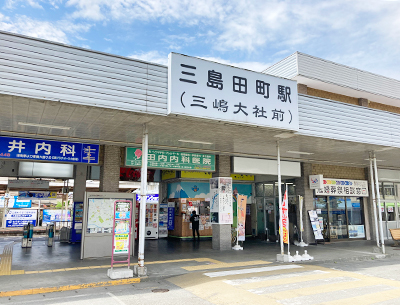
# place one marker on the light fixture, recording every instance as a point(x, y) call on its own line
point(195, 142)
point(44, 125)
point(377, 160)
point(299, 152)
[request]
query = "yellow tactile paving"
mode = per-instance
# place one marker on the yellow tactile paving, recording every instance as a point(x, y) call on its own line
point(6, 259)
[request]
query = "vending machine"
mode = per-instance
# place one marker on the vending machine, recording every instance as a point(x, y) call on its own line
point(152, 213)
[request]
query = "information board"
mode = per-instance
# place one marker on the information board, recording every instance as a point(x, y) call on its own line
point(20, 217)
point(100, 215)
point(315, 223)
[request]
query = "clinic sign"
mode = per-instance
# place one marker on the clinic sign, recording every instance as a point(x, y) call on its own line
point(341, 187)
point(45, 150)
point(205, 89)
point(170, 159)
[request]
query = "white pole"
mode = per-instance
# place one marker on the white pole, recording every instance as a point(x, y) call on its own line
point(378, 197)
point(301, 218)
point(374, 201)
point(143, 194)
point(280, 196)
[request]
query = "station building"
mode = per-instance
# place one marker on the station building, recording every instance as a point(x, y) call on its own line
point(55, 92)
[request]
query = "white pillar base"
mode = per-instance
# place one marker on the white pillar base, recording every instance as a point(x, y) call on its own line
point(237, 247)
point(119, 273)
point(140, 271)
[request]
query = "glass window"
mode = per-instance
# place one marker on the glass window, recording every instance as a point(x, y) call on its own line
point(337, 217)
point(354, 210)
point(269, 190)
point(259, 189)
point(291, 189)
point(388, 190)
point(390, 208)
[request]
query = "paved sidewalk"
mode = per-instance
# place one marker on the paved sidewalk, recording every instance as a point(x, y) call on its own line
point(60, 268)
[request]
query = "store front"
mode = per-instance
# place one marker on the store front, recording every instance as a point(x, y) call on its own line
point(340, 208)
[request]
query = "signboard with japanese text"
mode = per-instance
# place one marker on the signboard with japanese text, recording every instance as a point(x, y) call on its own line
point(29, 184)
point(170, 159)
point(316, 182)
point(46, 150)
point(37, 195)
point(221, 205)
point(19, 218)
point(285, 219)
point(210, 90)
point(241, 217)
point(341, 187)
point(171, 216)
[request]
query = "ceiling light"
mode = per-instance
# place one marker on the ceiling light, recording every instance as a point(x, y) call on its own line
point(44, 125)
point(195, 142)
point(376, 160)
point(299, 152)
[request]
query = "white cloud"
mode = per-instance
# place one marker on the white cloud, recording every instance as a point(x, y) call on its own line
point(151, 56)
point(57, 31)
point(249, 65)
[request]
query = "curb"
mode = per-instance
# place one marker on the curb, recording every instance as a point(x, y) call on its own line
point(67, 288)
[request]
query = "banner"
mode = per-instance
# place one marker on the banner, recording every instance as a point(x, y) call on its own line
point(171, 216)
point(241, 217)
point(37, 195)
point(55, 215)
point(285, 219)
point(19, 218)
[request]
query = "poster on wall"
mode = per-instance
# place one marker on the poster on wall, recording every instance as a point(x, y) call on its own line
point(122, 221)
point(19, 218)
point(241, 217)
point(221, 200)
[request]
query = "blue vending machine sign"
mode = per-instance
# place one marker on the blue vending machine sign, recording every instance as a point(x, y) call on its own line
point(76, 230)
point(46, 150)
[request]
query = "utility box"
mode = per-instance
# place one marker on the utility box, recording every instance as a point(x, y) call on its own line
point(65, 234)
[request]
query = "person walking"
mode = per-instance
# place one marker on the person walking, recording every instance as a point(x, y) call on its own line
point(195, 220)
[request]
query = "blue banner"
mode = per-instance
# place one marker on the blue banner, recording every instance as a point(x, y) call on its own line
point(19, 218)
point(55, 215)
point(171, 216)
point(45, 150)
point(22, 204)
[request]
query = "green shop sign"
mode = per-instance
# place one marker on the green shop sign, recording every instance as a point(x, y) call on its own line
point(170, 160)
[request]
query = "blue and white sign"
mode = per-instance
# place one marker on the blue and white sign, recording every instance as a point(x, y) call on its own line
point(22, 204)
point(171, 216)
point(19, 218)
point(37, 195)
point(14, 202)
point(54, 215)
point(152, 198)
point(45, 150)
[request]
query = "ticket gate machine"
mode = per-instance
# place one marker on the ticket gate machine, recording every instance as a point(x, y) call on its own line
point(28, 235)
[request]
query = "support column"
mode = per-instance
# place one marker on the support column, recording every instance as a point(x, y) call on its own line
point(303, 189)
point(221, 234)
point(110, 170)
point(80, 182)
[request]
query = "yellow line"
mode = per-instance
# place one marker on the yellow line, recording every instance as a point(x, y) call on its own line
point(68, 287)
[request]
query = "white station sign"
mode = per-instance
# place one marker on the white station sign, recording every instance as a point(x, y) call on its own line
point(210, 90)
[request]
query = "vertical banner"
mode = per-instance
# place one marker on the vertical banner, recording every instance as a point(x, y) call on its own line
point(285, 219)
point(221, 200)
point(241, 217)
point(122, 222)
point(171, 216)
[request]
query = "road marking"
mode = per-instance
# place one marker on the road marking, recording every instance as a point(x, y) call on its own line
point(115, 298)
point(225, 265)
point(250, 270)
point(199, 260)
point(274, 277)
point(6, 259)
point(68, 287)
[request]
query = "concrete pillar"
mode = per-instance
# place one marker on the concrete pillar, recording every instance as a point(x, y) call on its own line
point(80, 182)
point(302, 89)
point(110, 170)
point(370, 232)
point(303, 189)
point(221, 234)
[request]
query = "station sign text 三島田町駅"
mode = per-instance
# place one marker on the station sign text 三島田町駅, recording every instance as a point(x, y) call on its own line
point(165, 159)
point(205, 89)
point(45, 150)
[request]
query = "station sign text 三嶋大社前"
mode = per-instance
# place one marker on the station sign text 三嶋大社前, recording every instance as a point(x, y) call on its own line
point(205, 89)
point(46, 150)
point(170, 159)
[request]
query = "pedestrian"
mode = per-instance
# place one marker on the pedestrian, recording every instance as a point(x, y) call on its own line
point(194, 219)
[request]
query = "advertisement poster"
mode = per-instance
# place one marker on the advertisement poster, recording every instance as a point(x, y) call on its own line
point(171, 216)
point(54, 215)
point(221, 205)
point(121, 243)
point(241, 201)
point(285, 219)
point(19, 218)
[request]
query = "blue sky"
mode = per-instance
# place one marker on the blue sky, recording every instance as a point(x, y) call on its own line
point(252, 34)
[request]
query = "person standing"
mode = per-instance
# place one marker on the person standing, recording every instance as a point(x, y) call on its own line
point(195, 220)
